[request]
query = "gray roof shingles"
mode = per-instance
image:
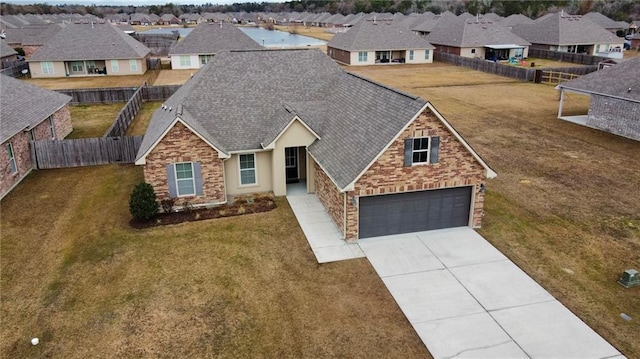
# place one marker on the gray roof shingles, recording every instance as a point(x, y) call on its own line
point(23, 105)
point(6, 50)
point(562, 29)
point(242, 100)
point(370, 35)
point(211, 38)
point(90, 42)
point(621, 80)
point(471, 33)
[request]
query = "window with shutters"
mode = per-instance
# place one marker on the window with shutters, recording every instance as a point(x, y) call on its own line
point(247, 169)
point(185, 181)
point(421, 150)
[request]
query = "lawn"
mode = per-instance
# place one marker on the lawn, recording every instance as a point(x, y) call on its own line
point(93, 81)
point(93, 120)
point(565, 206)
point(75, 275)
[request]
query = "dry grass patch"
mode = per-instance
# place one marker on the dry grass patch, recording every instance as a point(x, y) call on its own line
point(312, 31)
point(78, 277)
point(93, 120)
point(565, 206)
point(174, 77)
point(139, 126)
point(68, 83)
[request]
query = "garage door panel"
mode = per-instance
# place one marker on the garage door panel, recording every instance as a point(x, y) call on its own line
point(414, 211)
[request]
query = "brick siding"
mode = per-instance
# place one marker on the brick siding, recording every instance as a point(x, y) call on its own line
point(615, 115)
point(330, 196)
point(22, 151)
point(182, 145)
point(456, 167)
point(339, 55)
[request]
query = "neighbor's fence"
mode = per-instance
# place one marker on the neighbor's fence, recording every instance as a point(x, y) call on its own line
point(159, 44)
point(126, 115)
point(496, 68)
point(556, 75)
point(84, 151)
point(118, 94)
point(583, 59)
point(15, 70)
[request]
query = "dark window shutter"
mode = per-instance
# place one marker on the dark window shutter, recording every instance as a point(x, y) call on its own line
point(197, 176)
point(408, 151)
point(171, 180)
point(435, 149)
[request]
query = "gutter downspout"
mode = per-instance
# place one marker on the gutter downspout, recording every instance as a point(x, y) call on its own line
point(344, 219)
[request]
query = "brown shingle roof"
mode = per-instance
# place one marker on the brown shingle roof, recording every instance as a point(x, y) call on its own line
point(369, 35)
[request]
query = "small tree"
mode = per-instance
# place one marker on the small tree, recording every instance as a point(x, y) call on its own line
point(142, 203)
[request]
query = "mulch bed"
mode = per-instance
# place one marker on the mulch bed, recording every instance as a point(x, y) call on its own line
point(239, 206)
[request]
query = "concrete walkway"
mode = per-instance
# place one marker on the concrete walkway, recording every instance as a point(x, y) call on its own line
point(323, 236)
point(462, 296)
point(465, 299)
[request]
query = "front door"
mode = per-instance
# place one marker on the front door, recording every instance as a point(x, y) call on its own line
point(291, 164)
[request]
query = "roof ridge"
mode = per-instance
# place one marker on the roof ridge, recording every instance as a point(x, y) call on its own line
point(383, 86)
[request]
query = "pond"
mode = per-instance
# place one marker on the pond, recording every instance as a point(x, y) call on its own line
point(275, 38)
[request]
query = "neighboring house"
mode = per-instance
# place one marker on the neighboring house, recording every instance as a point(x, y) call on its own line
point(513, 20)
point(379, 41)
point(89, 50)
point(430, 23)
point(28, 113)
point(570, 33)
point(207, 40)
point(126, 28)
point(381, 161)
point(614, 99)
point(168, 19)
point(607, 23)
point(139, 19)
point(482, 39)
point(32, 37)
point(8, 56)
point(635, 42)
point(633, 27)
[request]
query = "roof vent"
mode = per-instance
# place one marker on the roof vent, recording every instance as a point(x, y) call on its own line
point(629, 278)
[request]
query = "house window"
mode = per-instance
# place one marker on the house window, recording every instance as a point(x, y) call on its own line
point(362, 56)
point(115, 66)
point(421, 150)
point(47, 67)
point(426, 54)
point(133, 64)
point(473, 51)
point(185, 181)
point(203, 59)
point(247, 169)
point(185, 60)
point(411, 55)
point(52, 128)
point(77, 66)
point(597, 48)
point(12, 159)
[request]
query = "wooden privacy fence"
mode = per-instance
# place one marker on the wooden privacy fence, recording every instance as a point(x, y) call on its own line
point(555, 75)
point(583, 59)
point(84, 151)
point(126, 115)
point(99, 95)
point(496, 68)
point(118, 94)
point(15, 70)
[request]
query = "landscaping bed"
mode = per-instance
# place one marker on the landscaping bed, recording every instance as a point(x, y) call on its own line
point(238, 206)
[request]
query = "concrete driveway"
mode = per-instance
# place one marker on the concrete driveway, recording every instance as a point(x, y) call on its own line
point(465, 299)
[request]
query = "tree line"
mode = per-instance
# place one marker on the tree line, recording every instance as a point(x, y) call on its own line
point(626, 10)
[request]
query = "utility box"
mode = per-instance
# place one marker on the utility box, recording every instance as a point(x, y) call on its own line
point(630, 278)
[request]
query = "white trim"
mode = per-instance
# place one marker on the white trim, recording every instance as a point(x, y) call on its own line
point(428, 151)
point(12, 158)
point(143, 159)
point(255, 171)
point(272, 145)
point(193, 180)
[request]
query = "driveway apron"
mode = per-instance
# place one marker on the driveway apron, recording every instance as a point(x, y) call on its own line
point(465, 299)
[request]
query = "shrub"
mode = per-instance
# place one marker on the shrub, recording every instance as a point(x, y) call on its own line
point(142, 203)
